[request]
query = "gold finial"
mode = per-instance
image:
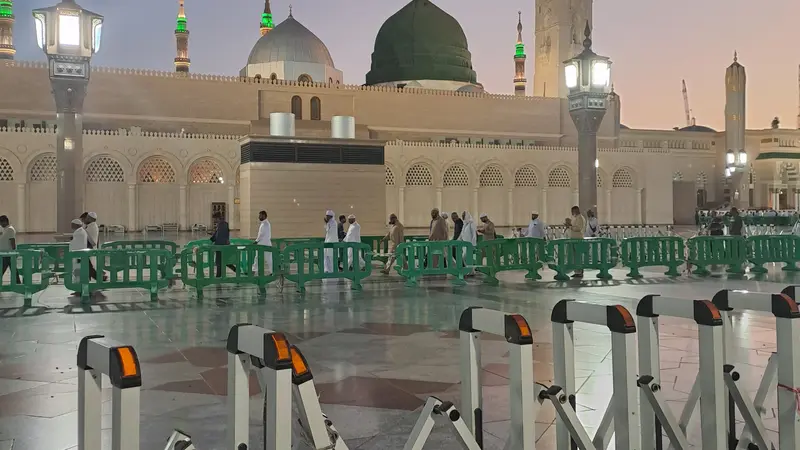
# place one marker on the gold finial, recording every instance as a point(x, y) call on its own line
point(735, 56)
point(519, 28)
point(181, 10)
point(290, 10)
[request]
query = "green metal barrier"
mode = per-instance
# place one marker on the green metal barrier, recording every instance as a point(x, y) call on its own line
point(783, 248)
point(716, 250)
point(309, 258)
point(638, 252)
point(511, 254)
point(143, 269)
point(243, 258)
point(417, 259)
point(282, 243)
point(56, 255)
point(141, 245)
point(580, 254)
point(25, 263)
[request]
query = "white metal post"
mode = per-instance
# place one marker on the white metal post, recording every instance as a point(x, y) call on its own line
point(627, 434)
point(564, 375)
point(238, 400)
point(125, 418)
point(788, 337)
point(89, 409)
point(523, 407)
point(278, 435)
point(649, 364)
point(712, 388)
point(471, 398)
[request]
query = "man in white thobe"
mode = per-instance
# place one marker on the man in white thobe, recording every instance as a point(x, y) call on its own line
point(536, 227)
point(353, 235)
point(79, 241)
point(331, 235)
point(264, 238)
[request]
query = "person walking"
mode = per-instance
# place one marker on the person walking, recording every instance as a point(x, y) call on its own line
point(396, 236)
point(8, 243)
point(737, 224)
point(576, 228)
point(222, 236)
point(264, 238)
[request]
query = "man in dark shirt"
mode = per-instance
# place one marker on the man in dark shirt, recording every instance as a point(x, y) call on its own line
point(736, 223)
point(716, 227)
point(458, 225)
point(340, 229)
point(222, 236)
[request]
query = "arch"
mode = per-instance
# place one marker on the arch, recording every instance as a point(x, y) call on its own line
point(206, 170)
point(6, 171)
point(455, 176)
point(156, 169)
point(273, 76)
point(492, 176)
point(316, 108)
point(104, 169)
point(238, 175)
point(305, 78)
point(702, 180)
point(13, 162)
point(559, 177)
point(419, 174)
point(330, 80)
point(257, 76)
point(389, 176)
point(297, 107)
point(526, 176)
point(677, 176)
point(623, 178)
point(43, 168)
point(600, 178)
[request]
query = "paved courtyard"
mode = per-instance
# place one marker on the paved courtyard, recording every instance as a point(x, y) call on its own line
point(376, 354)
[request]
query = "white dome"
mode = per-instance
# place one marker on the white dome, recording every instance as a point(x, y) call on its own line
point(290, 41)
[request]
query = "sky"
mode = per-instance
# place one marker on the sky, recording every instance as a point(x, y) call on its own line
point(653, 45)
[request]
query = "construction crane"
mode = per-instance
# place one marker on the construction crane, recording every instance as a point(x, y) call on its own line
point(689, 119)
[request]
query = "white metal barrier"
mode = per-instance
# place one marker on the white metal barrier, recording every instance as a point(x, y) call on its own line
point(98, 356)
point(283, 375)
point(621, 418)
point(655, 413)
point(517, 333)
point(782, 372)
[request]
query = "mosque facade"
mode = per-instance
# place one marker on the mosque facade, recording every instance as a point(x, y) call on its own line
point(166, 147)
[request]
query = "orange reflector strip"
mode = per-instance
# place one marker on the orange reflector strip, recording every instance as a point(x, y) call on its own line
point(128, 362)
point(282, 346)
point(626, 316)
point(792, 303)
point(298, 365)
point(714, 310)
point(522, 324)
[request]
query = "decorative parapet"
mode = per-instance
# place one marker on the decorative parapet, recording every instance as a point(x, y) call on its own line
point(429, 144)
point(288, 83)
point(125, 132)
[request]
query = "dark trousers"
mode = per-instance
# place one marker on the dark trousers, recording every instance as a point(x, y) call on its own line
point(218, 264)
point(92, 271)
point(6, 266)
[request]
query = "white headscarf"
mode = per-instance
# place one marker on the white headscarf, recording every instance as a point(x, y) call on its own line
point(469, 233)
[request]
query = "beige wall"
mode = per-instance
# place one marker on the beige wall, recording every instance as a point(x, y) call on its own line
point(296, 197)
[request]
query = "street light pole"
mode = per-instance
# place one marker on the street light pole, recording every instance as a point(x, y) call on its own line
point(588, 78)
point(69, 36)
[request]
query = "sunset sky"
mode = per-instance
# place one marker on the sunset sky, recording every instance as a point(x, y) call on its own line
point(654, 44)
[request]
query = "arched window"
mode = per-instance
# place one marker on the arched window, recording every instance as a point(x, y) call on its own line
point(258, 77)
point(104, 169)
point(526, 177)
point(491, 176)
point(559, 177)
point(316, 108)
point(304, 78)
point(6, 171)
point(274, 76)
point(206, 171)
point(330, 80)
point(419, 175)
point(156, 169)
point(455, 176)
point(44, 168)
point(623, 178)
point(389, 177)
point(297, 107)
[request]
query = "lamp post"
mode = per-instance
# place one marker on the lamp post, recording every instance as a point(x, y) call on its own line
point(588, 78)
point(69, 36)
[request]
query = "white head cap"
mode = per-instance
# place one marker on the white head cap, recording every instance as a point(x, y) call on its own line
point(329, 213)
point(77, 222)
point(351, 216)
point(484, 215)
point(93, 215)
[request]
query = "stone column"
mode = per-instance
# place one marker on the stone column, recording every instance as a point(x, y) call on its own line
point(608, 206)
point(475, 205)
point(511, 207)
point(19, 222)
point(576, 199)
point(439, 198)
point(543, 212)
point(182, 209)
point(401, 199)
point(231, 219)
point(639, 206)
point(796, 198)
point(132, 207)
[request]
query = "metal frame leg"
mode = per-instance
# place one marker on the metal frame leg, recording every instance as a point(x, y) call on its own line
point(238, 400)
point(471, 398)
point(712, 400)
point(569, 422)
point(125, 418)
point(564, 377)
point(651, 393)
point(649, 364)
point(788, 335)
point(627, 434)
point(278, 435)
point(312, 417)
point(424, 425)
point(89, 409)
point(522, 434)
point(748, 412)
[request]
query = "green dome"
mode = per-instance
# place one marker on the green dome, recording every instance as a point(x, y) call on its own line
point(421, 42)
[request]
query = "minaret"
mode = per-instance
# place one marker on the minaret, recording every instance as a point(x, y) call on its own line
point(798, 97)
point(266, 19)
point(558, 36)
point(519, 61)
point(182, 61)
point(735, 84)
point(7, 50)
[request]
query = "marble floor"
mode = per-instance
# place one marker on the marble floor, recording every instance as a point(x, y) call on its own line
point(376, 354)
